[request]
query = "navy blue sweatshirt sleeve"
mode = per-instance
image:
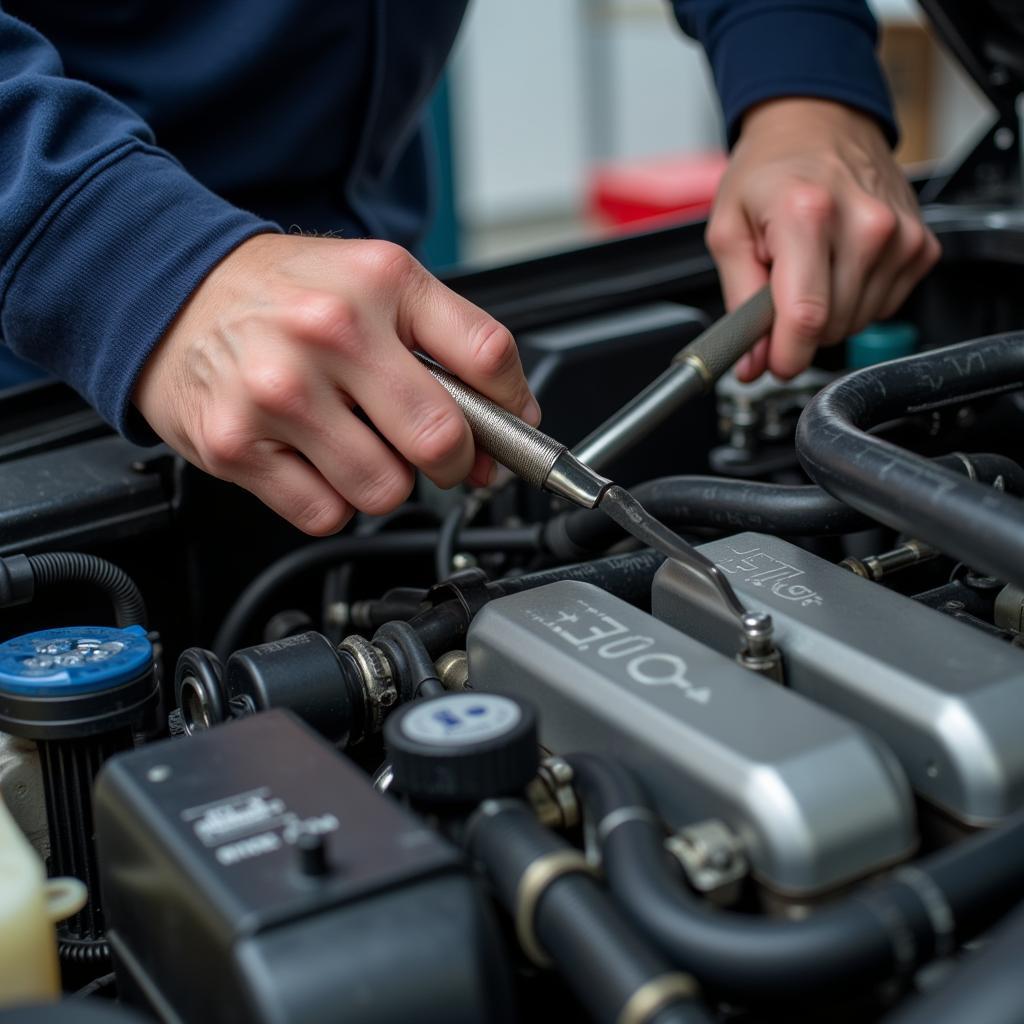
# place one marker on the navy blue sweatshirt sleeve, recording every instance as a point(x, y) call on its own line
point(103, 236)
point(765, 49)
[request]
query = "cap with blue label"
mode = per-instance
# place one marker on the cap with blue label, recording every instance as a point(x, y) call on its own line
point(462, 747)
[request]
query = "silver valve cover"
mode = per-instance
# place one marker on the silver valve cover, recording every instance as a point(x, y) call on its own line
point(817, 802)
point(945, 698)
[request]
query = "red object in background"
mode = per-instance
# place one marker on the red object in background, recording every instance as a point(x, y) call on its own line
point(648, 192)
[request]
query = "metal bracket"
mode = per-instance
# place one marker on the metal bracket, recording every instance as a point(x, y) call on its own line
point(713, 858)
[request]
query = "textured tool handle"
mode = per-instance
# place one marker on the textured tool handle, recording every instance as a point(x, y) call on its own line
point(735, 334)
point(528, 452)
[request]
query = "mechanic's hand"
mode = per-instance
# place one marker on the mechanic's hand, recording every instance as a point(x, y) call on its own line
point(814, 198)
point(256, 379)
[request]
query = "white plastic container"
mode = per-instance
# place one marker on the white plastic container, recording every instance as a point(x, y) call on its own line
point(30, 905)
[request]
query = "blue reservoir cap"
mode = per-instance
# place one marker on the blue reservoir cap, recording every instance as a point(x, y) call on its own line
point(73, 660)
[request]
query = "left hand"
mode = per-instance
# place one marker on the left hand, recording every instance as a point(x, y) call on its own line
point(814, 201)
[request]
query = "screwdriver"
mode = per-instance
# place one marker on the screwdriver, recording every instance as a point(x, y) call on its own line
point(548, 464)
point(693, 372)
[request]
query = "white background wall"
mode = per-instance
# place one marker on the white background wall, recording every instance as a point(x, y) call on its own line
point(543, 89)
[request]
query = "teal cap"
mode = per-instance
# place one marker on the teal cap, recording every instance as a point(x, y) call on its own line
point(878, 343)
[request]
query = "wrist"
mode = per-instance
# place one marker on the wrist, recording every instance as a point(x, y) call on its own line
point(810, 116)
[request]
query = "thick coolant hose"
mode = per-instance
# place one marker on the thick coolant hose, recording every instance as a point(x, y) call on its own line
point(350, 547)
point(545, 885)
point(730, 505)
point(986, 988)
point(978, 525)
point(54, 568)
point(881, 932)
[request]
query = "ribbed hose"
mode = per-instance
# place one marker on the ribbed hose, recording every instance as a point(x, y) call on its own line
point(880, 932)
point(974, 523)
point(601, 956)
point(731, 505)
point(57, 567)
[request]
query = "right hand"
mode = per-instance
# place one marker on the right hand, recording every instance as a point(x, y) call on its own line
point(256, 379)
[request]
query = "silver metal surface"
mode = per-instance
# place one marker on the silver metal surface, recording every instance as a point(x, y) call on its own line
point(944, 697)
point(377, 683)
point(577, 483)
point(815, 800)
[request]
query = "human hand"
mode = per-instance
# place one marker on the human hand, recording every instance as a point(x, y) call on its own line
point(256, 380)
point(814, 200)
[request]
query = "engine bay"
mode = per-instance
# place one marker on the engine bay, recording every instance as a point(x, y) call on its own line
point(489, 758)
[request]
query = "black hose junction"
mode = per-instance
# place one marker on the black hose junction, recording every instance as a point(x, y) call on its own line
point(976, 524)
point(881, 932)
point(563, 915)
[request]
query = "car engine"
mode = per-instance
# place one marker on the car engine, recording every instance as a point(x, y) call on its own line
point(489, 758)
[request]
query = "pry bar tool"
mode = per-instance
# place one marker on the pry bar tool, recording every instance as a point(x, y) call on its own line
point(548, 464)
point(692, 372)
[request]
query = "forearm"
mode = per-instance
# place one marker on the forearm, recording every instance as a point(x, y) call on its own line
point(767, 49)
point(103, 236)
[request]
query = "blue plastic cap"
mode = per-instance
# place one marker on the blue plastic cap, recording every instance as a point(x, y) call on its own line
point(878, 343)
point(73, 660)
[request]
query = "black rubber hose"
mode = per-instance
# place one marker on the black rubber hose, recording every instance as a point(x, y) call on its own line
point(880, 932)
point(601, 956)
point(447, 538)
point(57, 567)
point(628, 576)
point(986, 988)
point(339, 549)
point(412, 667)
point(976, 524)
point(722, 503)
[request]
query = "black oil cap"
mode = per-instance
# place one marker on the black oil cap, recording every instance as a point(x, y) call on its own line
point(462, 747)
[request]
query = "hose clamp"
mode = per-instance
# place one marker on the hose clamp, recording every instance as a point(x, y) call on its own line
point(378, 687)
point(539, 875)
point(654, 995)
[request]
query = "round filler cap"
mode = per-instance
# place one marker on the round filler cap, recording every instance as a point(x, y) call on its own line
point(462, 747)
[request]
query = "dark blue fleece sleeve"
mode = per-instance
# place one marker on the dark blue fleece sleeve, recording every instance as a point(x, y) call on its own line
point(103, 236)
point(764, 49)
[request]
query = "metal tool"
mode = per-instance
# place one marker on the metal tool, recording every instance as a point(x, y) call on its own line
point(548, 464)
point(692, 372)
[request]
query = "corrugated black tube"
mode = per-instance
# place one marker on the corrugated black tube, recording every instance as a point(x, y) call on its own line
point(57, 567)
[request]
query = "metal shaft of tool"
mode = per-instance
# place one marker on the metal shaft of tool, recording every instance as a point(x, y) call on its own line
point(530, 454)
point(546, 463)
point(694, 371)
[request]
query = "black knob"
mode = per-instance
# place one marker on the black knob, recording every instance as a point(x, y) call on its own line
point(462, 747)
point(312, 854)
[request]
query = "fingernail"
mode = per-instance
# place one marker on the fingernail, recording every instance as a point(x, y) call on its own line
point(743, 367)
point(531, 412)
point(492, 473)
